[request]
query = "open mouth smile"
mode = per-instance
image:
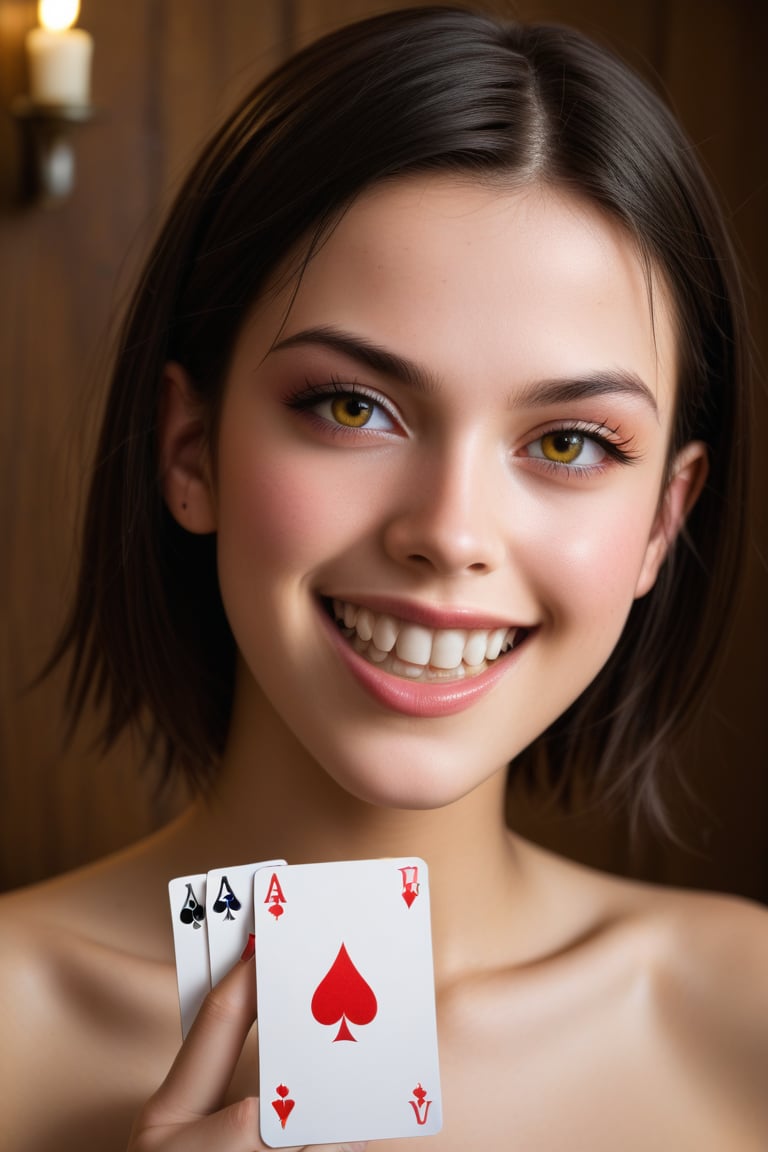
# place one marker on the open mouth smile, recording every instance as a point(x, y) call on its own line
point(420, 654)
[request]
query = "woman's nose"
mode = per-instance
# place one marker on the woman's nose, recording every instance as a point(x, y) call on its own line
point(449, 517)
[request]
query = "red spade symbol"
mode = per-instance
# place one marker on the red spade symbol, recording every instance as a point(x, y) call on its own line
point(283, 1106)
point(343, 995)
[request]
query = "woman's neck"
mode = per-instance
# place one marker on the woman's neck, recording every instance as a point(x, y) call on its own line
point(271, 800)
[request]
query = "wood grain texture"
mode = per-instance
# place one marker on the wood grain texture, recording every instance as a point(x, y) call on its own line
point(165, 73)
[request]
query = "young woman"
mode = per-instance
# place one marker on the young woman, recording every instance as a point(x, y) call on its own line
point(424, 455)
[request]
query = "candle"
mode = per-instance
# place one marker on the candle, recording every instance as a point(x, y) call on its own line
point(59, 56)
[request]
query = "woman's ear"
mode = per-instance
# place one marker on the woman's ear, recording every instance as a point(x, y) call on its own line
point(686, 480)
point(185, 468)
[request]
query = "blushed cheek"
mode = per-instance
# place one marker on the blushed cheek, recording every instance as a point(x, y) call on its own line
point(282, 513)
point(591, 577)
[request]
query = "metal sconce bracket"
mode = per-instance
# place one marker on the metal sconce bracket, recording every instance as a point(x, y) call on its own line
point(48, 154)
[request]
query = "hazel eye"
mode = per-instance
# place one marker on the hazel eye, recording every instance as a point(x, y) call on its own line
point(562, 447)
point(352, 411)
point(567, 446)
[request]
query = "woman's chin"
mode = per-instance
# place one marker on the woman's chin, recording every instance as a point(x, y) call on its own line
point(400, 784)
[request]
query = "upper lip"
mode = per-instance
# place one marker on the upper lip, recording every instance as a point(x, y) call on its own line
point(428, 615)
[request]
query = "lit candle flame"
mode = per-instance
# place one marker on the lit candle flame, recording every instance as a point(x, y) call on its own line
point(58, 15)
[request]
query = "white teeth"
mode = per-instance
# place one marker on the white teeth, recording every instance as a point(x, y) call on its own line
point(414, 651)
point(447, 673)
point(474, 649)
point(364, 624)
point(385, 633)
point(414, 644)
point(495, 641)
point(448, 648)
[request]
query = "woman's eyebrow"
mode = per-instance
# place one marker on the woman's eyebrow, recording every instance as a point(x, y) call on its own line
point(378, 359)
point(539, 394)
point(612, 381)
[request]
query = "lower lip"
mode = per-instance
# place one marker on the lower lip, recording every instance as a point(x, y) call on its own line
point(415, 699)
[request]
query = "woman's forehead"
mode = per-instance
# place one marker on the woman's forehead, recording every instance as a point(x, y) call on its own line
point(534, 278)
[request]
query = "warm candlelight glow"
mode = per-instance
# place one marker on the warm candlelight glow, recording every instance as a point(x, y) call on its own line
point(59, 55)
point(58, 15)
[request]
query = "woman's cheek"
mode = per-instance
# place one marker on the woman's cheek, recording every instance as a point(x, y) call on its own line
point(285, 507)
point(601, 567)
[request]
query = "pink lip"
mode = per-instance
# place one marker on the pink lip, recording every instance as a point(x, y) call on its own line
point(429, 615)
point(410, 699)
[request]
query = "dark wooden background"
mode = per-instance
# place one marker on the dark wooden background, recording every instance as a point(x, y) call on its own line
point(165, 72)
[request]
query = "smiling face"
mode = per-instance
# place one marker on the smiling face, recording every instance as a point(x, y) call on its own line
point(438, 479)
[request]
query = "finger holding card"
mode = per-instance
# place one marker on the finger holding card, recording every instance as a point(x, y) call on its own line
point(185, 1114)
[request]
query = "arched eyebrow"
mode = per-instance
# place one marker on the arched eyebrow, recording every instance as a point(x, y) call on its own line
point(378, 359)
point(539, 394)
point(612, 381)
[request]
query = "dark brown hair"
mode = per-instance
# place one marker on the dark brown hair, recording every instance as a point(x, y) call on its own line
point(423, 90)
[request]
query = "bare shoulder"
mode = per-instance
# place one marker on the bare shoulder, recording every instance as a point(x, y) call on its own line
point(28, 974)
point(688, 971)
point(714, 949)
point(703, 969)
point(76, 971)
point(714, 946)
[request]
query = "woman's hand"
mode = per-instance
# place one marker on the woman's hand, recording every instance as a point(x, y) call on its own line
point(185, 1114)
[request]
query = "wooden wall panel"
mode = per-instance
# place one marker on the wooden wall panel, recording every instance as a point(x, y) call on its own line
point(165, 72)
point(60, 272)
point(714, 67)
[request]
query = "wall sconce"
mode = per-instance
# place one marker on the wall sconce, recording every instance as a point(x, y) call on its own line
point(59, 65)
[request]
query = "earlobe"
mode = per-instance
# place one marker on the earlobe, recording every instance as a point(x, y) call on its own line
point(686, 480)
point(184, 458)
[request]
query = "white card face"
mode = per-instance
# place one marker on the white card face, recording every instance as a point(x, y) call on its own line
point(190, 943)
point(346, 1002)
point(229, 913)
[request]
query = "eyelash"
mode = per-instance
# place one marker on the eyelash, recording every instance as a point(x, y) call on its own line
point(308, 397)
point(618, 451)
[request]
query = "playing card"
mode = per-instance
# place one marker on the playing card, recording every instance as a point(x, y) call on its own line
point(190, 943)
point(346, 1002)
point(229, 913)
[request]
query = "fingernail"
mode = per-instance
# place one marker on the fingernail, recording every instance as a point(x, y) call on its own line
point(250, 949)
point(359, 1146)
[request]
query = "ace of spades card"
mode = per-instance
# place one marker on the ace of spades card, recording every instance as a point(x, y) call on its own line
point(229, 913)
point(190, 942)
point(211, 916)
point(346, 1002)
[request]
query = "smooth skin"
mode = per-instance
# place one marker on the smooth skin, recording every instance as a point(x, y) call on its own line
point(575, 1010)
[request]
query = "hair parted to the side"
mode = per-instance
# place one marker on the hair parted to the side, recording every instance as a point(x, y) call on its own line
point(422, 90)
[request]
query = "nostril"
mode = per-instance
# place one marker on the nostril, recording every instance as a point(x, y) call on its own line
point(417, 558)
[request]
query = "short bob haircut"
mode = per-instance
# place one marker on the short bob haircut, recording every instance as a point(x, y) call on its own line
point(433, 90)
